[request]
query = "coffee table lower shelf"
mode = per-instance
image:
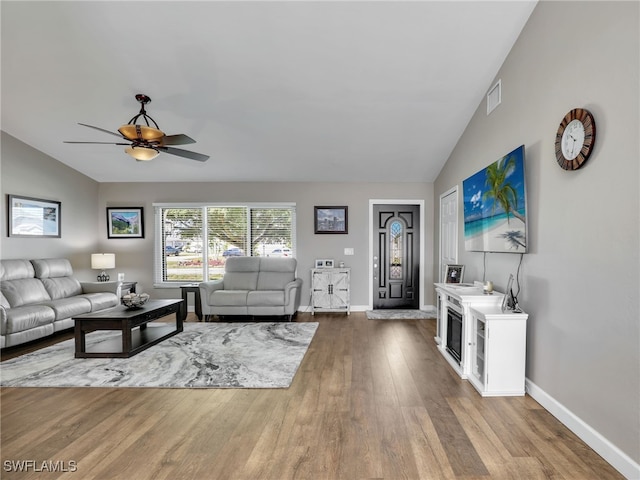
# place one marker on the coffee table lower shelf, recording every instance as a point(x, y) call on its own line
point(136, 332)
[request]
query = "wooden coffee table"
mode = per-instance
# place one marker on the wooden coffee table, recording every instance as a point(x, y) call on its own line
point(137, 334)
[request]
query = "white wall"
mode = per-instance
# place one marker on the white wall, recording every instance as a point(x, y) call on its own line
point(580, 281)
point(29, 172)
point(135, 257)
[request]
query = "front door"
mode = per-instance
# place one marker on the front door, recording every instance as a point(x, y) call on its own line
point(396, 256)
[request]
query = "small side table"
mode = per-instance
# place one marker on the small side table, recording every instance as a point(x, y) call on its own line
point(195, 289)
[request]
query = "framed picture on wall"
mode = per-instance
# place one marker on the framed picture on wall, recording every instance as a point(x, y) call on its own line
point(33, 217)
point(454, 274)
point(125, 222)
point(331, 219)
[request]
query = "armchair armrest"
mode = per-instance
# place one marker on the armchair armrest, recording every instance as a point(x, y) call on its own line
point(206, 290)
point(291, 291)
point(208, 287)
point(3, 320)
point(99, 287)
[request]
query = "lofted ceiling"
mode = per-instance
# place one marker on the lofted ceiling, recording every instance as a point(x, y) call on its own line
point(364, 91)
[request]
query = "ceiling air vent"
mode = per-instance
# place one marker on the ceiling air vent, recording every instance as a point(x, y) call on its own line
point(494, 97)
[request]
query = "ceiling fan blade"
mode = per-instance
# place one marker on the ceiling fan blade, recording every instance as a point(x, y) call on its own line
point(180, 139)
point(184, 153)
point(98, 143)
point(102, 130)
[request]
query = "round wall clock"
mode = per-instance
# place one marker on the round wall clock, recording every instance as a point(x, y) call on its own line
point(575, 139)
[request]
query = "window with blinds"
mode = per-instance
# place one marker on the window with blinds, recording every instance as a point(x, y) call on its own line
point(193, 241)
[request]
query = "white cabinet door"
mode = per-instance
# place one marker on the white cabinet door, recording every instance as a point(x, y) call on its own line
point(320, 282)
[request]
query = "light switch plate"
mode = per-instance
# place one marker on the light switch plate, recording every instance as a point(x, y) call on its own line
point(348, 251)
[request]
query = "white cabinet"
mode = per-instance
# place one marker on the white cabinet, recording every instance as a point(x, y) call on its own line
point(498, 351)
point(455, 301)
point(330, 290)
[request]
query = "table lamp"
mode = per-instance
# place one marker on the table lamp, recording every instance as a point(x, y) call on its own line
point(103, 261)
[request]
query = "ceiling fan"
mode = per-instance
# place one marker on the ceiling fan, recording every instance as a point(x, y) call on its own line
point(145, 142)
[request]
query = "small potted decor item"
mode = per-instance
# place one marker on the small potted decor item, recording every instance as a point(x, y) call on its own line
point(135, 300)
point(488, 287)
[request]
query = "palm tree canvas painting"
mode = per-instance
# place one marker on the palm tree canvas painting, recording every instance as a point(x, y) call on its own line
point(495, 207)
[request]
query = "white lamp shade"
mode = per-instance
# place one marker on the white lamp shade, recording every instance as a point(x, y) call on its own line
point(142, 154)
point(102, 261)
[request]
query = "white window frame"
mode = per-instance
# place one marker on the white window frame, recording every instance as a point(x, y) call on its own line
point(158, 252)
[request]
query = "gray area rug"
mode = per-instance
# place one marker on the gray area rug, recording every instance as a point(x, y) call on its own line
point(204, 355)
point(391, 314)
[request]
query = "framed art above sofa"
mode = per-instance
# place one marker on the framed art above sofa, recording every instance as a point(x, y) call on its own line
point(33, 217)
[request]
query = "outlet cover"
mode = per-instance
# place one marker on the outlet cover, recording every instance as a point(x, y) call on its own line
point(348, 251)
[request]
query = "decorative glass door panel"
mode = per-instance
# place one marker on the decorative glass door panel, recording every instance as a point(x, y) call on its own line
point(396, 237)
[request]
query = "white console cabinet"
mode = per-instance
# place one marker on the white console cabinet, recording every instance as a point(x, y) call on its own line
point(330, 290)
point(498, 351)
point(459, 298)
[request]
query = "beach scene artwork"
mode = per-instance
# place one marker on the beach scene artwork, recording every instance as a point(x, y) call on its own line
point(495, 209)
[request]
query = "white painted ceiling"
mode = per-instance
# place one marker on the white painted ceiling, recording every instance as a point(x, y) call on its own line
point(273, 91)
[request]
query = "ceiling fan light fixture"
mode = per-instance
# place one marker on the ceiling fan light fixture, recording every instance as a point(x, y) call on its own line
point(142, 154)
point(147, 141)
point(140, 132)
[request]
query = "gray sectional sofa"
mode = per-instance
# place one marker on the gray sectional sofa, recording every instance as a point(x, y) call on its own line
point(40, 297)
point(253, 286)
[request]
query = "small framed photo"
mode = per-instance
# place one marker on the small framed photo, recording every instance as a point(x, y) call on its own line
point(324, 263)
point(125, 222)
point(454, 274)
point(33, 217)
point(331, 220)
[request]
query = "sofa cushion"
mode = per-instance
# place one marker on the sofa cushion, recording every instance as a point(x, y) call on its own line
point(62, 287)
point(100, 301)
point(15, 270)
point(3, 301)
point(27, 317)
point(240, 280)
point(52, 267)
point(69, 307)
point(274, 280)
point(241, 273)
point(276, 273)
point(242, 264)
point(24, 291)
point(266, 298)
point(229, 297)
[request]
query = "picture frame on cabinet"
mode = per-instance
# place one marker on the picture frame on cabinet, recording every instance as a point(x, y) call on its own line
point(454, 274)
point(324, 263)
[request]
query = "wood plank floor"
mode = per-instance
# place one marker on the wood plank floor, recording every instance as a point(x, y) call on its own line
point(372, 399)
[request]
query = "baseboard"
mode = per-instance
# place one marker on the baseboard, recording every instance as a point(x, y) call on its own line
point(602, 446)
point(364, 308)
